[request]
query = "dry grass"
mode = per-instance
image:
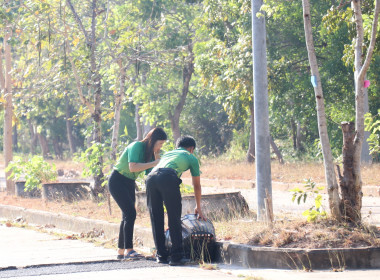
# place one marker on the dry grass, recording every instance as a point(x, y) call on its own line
point(286, 234)
point(217, 168)
point(287, 173)
point(298, 234)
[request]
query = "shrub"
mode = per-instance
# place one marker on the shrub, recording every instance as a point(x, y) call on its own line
point(35, 171)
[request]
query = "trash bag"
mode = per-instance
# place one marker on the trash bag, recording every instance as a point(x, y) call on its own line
point(198, 239)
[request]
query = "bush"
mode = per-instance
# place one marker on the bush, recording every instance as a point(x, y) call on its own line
point(35, 171)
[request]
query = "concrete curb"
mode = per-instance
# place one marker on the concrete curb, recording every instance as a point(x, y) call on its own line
point(237, 254)
point(75, 224)
point(295, 258)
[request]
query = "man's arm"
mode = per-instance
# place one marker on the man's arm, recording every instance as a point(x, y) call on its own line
point(198, 194)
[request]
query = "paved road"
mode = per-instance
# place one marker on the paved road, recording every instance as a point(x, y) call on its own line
point(31, 255)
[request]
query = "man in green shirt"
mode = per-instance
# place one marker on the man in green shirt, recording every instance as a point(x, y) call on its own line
point(163, 186)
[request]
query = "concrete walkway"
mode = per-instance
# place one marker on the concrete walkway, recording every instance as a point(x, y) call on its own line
point(22, 248)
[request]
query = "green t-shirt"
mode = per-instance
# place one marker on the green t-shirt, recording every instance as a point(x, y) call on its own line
point(133, 153)
point(180, 160)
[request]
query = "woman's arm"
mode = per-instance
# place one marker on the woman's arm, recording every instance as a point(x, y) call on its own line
point(137, 166)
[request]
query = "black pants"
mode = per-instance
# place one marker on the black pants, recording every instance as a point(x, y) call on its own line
point(162, 186)
point(122, 190)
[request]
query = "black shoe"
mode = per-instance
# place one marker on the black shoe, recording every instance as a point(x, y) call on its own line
point(162, 260)
point(177, 262)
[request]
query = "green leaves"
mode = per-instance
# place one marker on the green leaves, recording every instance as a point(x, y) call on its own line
point(372, 124)
point(34, 170)
point(310, 189)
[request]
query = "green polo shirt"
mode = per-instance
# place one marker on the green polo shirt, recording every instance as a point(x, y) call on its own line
point(180, 160)
point(133, 153)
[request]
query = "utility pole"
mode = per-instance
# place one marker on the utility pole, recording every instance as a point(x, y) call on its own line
point(262, 137)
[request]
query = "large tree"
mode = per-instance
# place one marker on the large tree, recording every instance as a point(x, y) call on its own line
point(353, 134)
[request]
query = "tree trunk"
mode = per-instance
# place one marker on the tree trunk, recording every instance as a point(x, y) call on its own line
point(57, 148)
point(91, 40)
point(147, 126)
point(298, 137)
point(44, 145)
point(261, 111)
point(8, 112)
point(276, 151)
point(294, 134)
point(251, 147)
point(119, 98)
point(353, 142)
point(365, 155)
point(33, 138)
point(139, 128)
point(188, 70)
point(69, 129)
point(15, 138)
point(351, 202)
point(332, 185)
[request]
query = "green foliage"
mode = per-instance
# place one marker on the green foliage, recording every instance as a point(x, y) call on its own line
point(186, 189)
point(372, 124)
point(316, 211)
point(34, 170)
point(90, 157)
point(238, 146)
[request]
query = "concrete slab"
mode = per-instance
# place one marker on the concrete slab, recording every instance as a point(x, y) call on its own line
point(20, 247)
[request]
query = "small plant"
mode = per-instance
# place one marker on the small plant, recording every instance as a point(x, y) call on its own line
point(35, 171)
point(316, 211)
point(372, 124)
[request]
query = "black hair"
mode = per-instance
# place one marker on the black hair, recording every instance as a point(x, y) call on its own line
point(186, 142)
point(150, 140)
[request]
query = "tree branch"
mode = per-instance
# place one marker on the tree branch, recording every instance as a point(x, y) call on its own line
point(78, 20)
point(371, 47)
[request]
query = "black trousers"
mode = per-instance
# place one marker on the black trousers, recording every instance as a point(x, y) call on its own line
point(162, 186)
point(122, 190)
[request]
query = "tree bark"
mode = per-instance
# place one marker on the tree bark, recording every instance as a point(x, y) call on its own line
point(365, 155)
point(294, 134)
point(69, 129)
point(139, 128)
point(276, 151)
point(8, 111)
point(299, 145)
point(33, 137)
point(332, 185)
point(351, 202)
point(119, 97)
point(188, 70)
point(251, 146)
point(44, 145)
point(15, 138)
point(57, 148)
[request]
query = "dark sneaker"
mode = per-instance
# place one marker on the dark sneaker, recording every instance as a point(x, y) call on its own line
point(162, 260)
point(177, 262)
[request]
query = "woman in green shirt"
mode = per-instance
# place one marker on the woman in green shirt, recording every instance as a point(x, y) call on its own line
point(139, 156)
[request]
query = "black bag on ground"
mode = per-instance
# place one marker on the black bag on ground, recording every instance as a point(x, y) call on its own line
point(198, 238)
